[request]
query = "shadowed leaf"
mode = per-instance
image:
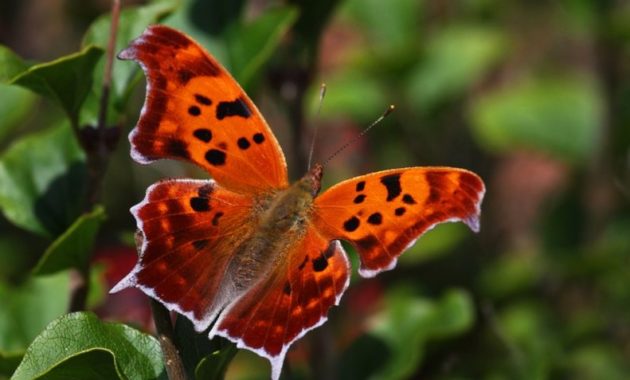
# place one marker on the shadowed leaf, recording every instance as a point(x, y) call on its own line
point(42, 181)
point(135, 355)
point(66, 80)
point(73, 248)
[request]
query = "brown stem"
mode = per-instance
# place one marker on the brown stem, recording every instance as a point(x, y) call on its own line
point(97, 152)
point(107, 74)
point(172, 360)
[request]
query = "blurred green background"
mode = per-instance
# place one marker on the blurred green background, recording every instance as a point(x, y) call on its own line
point(534, 96)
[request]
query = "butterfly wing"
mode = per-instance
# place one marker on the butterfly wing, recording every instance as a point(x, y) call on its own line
point(383, 213)
point(189, 229)
point(293, 300)
point(195, 111)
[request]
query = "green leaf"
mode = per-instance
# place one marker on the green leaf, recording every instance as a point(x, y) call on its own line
point(93, 364)
point(42, 179)
point(132, 22)
point(559, 116)
point(456, 59)
point(10, 64)
point(214, 366)
point(27, 308)
point(73, 248)
point(203, 359)
point(136, 355)
point(66, 80)
point(408, 322)
point(16, 104)
point(250, 45)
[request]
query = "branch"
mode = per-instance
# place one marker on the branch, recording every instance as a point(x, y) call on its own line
point(97, 151)
point(172, 360)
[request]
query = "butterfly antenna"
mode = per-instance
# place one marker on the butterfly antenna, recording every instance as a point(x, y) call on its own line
point(389, 110)
point(322, 94)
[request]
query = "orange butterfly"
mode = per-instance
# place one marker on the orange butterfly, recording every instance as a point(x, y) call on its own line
point(248, 250)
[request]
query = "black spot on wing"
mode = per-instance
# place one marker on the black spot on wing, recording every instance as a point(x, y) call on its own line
point(200, 244)
point(200, 204)
point(351, 224)
point(194, 111)
point(359, 198)
point(203, 134)
point(320, 263)
point(400, 211)
point(360, 186)
point(237, 107)
point(408, 199)
point(287, 288)
point(392, 184)
point(375, 219)
point(205, 101)
point(216, 217)
point(243, 143)
point(258, 138)
point(215, 157)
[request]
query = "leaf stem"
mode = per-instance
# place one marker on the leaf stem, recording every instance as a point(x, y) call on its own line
point(172, 359)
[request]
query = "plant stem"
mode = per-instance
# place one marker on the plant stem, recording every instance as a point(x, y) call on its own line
point(107, 74)
point(97, 156)
point(172, 360)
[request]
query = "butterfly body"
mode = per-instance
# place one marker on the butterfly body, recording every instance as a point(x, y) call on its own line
point(281, 218)
point(258, 259)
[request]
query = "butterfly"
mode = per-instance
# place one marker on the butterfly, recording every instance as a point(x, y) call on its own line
point(247, 252)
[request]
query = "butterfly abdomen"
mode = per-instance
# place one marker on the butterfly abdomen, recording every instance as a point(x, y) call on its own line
point(283, 220)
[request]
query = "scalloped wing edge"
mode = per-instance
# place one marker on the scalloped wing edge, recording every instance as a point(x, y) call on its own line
point(129, 54)
point(472, 221)
point(278, 360)
point(130, 281)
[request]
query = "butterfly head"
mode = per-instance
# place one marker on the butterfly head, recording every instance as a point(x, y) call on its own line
point(312, 181)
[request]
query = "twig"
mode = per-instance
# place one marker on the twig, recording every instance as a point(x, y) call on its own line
point(172, 359)
point(97, 151)
point(107, 74)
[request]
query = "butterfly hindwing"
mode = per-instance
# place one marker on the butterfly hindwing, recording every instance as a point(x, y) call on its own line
point(383, 213)
point(195, 111)
point(294, 299)
point(189, 229)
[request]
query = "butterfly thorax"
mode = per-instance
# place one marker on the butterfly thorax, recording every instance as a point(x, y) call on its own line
point(283, 219)
point(289, 208)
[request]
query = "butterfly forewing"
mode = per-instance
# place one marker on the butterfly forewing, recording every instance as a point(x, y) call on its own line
point(383, 213)
point(195, 111)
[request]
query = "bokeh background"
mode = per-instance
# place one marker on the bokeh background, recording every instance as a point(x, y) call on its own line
point(534, 96)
